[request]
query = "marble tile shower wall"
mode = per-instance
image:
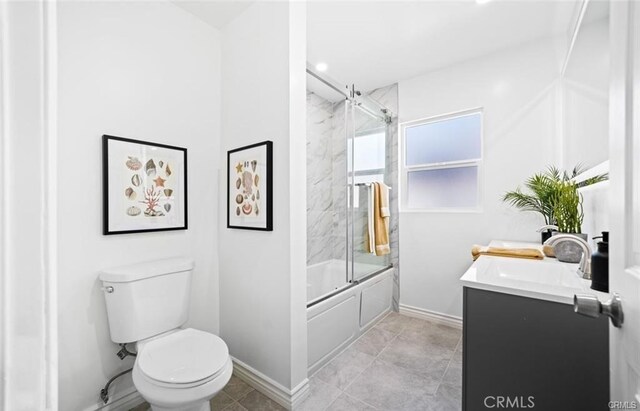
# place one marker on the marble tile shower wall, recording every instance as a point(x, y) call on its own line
point(339, 176)
point(319, 179)
point(326, 180)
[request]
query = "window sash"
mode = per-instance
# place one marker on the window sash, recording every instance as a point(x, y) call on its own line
point(369, 133)
point(447, 164)
point(437, 119)
point(368, 172)
point(474, 209)
point(404, 169)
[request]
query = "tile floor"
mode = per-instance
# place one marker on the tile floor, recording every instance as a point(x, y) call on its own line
point(402, 363)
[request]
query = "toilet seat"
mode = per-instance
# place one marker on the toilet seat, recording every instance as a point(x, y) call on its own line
point(180, 398)
point(183, 359)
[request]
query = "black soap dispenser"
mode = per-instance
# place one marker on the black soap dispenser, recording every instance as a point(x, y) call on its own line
point(600, 265)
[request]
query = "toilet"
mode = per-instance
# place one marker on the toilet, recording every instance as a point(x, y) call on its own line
point(175, 368)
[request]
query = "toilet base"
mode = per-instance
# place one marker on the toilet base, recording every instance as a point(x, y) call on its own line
point(205, 406)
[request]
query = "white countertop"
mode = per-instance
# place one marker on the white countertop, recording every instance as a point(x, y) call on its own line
point(547, 279)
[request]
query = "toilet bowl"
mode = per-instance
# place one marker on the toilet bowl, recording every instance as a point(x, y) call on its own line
point(181, 370)
point(176, 368)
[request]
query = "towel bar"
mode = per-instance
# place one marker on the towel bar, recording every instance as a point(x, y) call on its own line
point(366, 184)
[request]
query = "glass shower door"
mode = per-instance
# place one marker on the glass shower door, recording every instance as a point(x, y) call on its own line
point(367, 152)
point(326, 191)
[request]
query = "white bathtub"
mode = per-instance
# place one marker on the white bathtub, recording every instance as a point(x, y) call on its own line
point(329, 276)
point(337, 321)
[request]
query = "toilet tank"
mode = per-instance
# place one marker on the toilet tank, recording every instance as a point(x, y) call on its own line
point(147, 299)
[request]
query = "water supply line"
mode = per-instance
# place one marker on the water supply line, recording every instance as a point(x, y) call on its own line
point(122, 354)
point(104, 393)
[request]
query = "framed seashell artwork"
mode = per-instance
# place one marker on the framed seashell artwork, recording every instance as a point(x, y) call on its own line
point(249, 187)
point(144, 186)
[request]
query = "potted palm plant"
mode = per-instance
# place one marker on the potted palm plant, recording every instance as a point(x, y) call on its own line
point(569, 215)
point(553, 194)
point(539, 197)
point(567, 209)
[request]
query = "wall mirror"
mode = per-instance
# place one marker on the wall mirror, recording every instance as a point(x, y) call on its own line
point(586, 89)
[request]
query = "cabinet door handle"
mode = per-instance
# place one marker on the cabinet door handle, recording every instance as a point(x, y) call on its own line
point(589, 306)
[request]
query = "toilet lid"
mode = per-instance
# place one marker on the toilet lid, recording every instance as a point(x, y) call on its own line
point(183, 357)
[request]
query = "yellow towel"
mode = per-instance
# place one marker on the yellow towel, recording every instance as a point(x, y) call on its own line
point(384, 200)
point(529, 253)
point(380, 220)
point(549, 251)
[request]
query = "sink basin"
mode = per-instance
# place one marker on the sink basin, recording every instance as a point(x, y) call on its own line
point(543, 279)
point(538, 272)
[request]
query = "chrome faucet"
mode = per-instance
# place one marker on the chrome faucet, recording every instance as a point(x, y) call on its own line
point(584, 269)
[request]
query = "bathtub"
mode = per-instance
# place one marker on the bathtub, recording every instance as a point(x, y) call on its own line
point(338, 313)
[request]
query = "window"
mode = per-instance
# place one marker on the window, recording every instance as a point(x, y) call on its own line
point(440, 162)
point(368, 159)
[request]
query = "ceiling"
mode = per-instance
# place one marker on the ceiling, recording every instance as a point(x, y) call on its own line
point(596, 10)
point(214, 12)
point(377, 43)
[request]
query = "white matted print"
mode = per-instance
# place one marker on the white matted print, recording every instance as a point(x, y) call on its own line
point(249, 187)
point(145, 186)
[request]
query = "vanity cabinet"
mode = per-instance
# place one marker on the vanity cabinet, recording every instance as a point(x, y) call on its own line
point(525, 353)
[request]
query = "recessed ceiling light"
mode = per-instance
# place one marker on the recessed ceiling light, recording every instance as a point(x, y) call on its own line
point(482, 1)
point(322, 67)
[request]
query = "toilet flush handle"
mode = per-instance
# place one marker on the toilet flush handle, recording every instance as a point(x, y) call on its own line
point(108, 289)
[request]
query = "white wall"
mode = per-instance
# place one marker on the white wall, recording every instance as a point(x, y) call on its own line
point(262, 274)
point(595, 202)
point(28, 363)
point(518, 91)
point(586, 97)
point(148, 71)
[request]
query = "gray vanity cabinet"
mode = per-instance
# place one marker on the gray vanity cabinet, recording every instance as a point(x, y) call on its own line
point(524, 353)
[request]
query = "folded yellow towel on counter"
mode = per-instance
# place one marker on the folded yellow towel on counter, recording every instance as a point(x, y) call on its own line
point(549, 251)
point(529, 253)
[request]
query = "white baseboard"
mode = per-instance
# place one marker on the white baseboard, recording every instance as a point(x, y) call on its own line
point(432, 316)
point(124, 402)
point(283, 396)
point(289, 399)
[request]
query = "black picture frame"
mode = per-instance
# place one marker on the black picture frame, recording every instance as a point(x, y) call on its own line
point(237, 217)
point(177, 175)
